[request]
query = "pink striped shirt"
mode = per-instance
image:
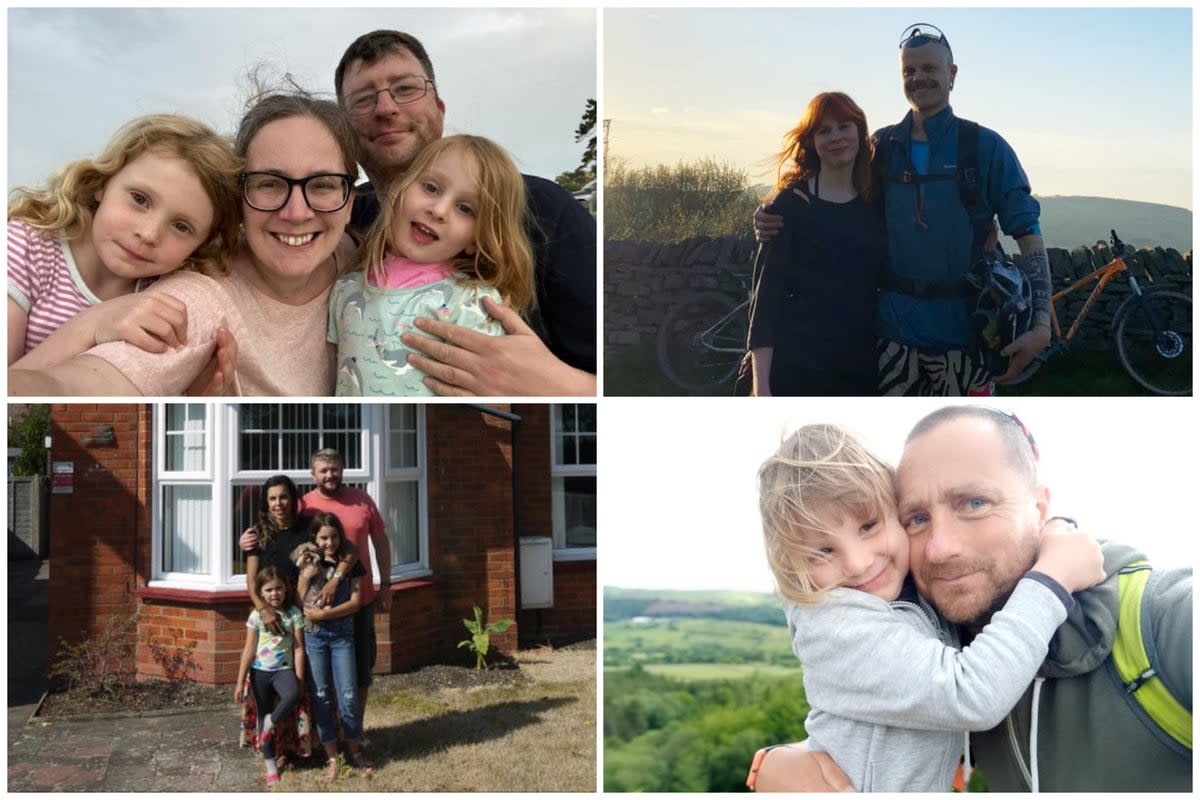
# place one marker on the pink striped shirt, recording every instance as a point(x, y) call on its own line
point(44, 281)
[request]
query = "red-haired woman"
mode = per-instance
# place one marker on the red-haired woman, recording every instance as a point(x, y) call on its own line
point(812, 327)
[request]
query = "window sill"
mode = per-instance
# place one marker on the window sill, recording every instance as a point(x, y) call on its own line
point(204, 597)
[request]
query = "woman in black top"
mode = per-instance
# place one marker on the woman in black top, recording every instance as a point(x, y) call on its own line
point(812, 326)
point(280, 529)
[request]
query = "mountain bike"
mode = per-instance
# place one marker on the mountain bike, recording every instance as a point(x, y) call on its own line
point(1152, 328)
point(702, 339)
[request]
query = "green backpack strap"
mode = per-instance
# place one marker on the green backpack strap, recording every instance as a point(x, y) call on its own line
point(1135, 667)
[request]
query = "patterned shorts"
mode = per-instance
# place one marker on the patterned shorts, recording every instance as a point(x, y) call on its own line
point(906, 371)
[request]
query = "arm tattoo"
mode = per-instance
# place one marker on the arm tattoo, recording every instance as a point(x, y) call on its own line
point(1036, 267)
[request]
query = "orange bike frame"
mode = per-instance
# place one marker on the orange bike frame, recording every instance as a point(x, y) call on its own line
point(1103, 275)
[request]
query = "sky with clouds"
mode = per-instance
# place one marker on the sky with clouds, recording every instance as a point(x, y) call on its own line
point(1095, 101)
point(519, 76)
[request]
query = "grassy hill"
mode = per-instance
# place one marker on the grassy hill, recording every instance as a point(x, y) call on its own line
point(624, 604)
point(1070, 221)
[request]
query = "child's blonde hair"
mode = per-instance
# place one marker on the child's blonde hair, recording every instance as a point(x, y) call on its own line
point(503, 257)
point(817, 469)
point(65, 206)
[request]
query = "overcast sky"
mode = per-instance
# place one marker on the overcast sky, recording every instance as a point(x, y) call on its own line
point(1095, 101)
point(679, 504)
point(519, 76)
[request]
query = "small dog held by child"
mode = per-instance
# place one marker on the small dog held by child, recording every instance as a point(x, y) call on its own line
point(308, 558)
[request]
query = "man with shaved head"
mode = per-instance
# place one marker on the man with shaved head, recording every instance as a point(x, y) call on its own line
point(969, 498)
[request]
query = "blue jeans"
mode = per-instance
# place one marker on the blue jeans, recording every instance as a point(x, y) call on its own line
point(331, 662)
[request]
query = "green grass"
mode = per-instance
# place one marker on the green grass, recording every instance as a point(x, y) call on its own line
point(696, 641)
point(1079, 373)
point(720, 672)
point(635, 373)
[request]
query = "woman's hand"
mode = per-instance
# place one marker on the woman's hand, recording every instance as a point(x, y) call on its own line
point(239, 690)
point(270, 620)
point(766, 225)
point(469, 363)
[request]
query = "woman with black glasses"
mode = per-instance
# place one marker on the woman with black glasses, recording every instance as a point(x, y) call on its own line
point(297, 189)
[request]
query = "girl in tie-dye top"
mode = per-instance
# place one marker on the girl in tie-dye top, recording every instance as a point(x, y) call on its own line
point(274, 661)
point(450, 234)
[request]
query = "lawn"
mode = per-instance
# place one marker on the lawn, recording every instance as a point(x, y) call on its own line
point(535, 735)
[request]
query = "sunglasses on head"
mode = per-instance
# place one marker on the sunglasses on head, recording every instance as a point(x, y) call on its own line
point(922, 33)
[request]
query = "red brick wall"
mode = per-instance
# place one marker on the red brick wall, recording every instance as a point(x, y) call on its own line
point(470, 522)
point(574, 613)
point(99, 535)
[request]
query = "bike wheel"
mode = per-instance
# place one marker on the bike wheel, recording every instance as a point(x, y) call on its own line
point(1154, 341)
point(701, 341)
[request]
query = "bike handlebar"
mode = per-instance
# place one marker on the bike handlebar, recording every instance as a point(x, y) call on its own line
point(1118, 245)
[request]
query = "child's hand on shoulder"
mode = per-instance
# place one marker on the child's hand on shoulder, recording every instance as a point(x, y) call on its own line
point(1070, 556)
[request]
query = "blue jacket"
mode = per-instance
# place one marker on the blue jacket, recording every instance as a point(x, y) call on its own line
point(930, 236)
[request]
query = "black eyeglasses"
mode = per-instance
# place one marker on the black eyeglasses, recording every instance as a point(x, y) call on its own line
point(922, 33)
point(408, 89)
point(325, 191)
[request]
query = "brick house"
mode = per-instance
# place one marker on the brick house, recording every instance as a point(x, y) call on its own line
point(482, 504)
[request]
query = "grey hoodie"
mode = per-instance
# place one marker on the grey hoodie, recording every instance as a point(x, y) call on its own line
point(891, 693)
point(1090, 735)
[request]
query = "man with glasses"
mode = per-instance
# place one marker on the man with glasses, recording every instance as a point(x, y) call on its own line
point(386, 84)
point(927, 343)
point(968, 497)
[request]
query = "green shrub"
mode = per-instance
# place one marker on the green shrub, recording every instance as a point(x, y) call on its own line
point(663, 203)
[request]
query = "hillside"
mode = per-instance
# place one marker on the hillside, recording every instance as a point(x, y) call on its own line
point(625, 604)
point(1069, 221)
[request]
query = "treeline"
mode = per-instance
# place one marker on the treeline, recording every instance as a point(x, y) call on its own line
point(695, 641)
point(661, 735)
point(662, 203)
point(622, 604)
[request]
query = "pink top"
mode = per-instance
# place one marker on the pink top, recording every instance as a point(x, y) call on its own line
point(44, 281)
point(281, 348)
point(404, 273)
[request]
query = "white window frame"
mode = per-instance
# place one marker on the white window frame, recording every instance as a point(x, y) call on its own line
point(557, 471)
point(221, 432)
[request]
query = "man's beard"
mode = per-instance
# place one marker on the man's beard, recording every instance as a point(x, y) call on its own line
point(976, 610)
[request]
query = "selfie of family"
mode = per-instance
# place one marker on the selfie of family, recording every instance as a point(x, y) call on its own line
point(891, 240)
point(310, 640)
point(178, 262)
point(942, 614)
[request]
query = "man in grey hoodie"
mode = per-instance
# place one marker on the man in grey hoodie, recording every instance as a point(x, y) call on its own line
point(966, 556)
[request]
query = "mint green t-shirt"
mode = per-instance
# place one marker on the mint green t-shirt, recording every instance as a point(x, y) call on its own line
point(274, 652)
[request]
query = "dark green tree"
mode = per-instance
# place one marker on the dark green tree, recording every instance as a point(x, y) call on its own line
point(29, 433)
point(587, 130)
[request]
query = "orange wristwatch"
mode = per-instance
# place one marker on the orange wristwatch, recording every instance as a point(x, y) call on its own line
point(752, 778)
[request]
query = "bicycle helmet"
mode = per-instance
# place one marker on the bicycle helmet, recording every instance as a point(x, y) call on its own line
point(1003, 308)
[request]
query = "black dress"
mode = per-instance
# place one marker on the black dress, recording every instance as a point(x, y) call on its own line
point(814, 301)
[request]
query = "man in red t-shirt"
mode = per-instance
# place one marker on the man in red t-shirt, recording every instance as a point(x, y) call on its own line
point(362, 522)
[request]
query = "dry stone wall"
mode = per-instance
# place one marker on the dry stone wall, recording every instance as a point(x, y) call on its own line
point(642, 280)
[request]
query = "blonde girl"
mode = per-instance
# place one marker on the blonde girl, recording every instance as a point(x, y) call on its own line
point(891, 692)
point(162, 196)
point(274, 662)
point(451, 233)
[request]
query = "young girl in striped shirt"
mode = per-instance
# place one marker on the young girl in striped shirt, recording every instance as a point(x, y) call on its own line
point(162, 195)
